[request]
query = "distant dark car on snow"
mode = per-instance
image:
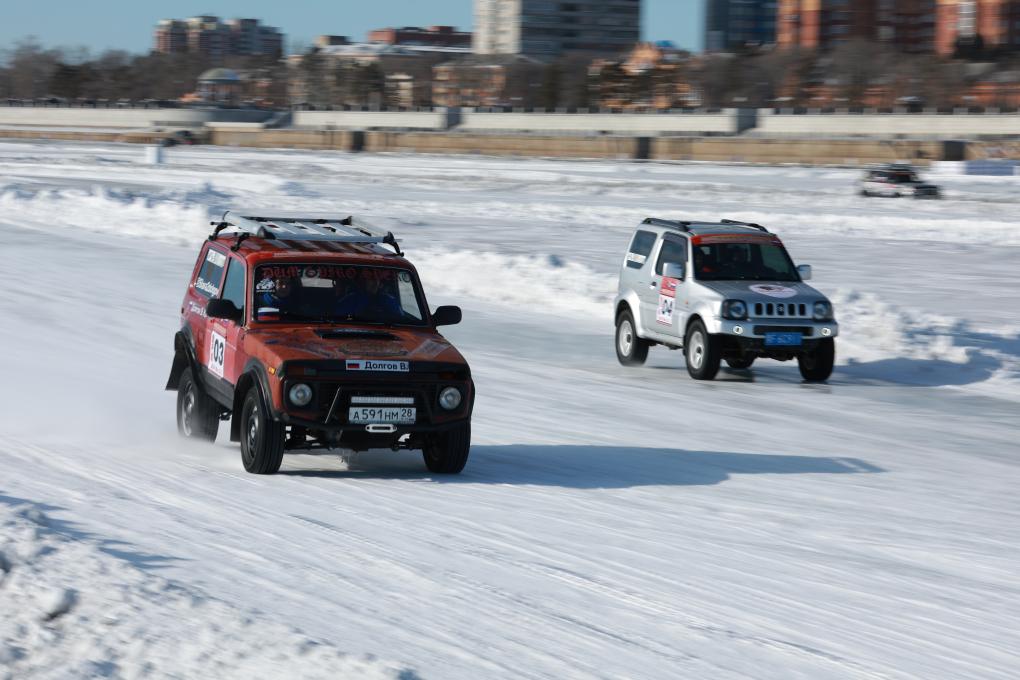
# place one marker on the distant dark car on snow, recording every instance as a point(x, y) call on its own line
point(896, 180)
point(185, 137)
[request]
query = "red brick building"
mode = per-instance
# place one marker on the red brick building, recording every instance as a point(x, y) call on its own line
point(921, 26)
point(997, 22)
point(437, 36)
point(210, 36)
point(909, 25)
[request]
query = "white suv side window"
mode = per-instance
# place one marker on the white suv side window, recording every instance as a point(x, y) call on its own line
point(673, 251)
point(640, 247)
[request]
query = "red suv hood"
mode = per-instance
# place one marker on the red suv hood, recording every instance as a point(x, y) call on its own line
point(277, 345)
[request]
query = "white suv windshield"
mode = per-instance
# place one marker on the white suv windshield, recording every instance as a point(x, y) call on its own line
point(736, 261)
point(326, 293)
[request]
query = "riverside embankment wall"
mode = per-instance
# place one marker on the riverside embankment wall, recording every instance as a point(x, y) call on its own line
point(717, 149)
point(719, 136)
point(127, 118)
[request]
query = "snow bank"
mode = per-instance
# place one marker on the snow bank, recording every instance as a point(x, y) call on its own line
point(912, 224)
point(880, 342)
point(72, 610)
point(543, 283)
point(873, 330)
point(181, 218)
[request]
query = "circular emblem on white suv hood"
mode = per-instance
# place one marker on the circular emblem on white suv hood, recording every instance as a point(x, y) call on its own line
point(773, 291)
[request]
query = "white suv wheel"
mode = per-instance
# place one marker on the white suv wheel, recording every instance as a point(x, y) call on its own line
point(631, 349)
point(696, 353)
point(625, 338)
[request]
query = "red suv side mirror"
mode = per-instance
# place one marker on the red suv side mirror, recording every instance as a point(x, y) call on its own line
point(446, 316)
point(224, 309)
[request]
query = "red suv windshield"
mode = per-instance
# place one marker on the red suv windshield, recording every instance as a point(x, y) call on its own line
point(326, 293)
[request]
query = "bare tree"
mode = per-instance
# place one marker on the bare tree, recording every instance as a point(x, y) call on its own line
point(719, 76)
point(30, 68)
point(859, 64)
point(574, 84)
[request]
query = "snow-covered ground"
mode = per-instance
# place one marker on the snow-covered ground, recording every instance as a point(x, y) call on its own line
point(611, 523)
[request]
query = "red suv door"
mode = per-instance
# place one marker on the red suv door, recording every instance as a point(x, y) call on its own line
point(232, 332)
point(206, 285)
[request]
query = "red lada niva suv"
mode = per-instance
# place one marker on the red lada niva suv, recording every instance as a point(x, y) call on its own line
point(314, 333)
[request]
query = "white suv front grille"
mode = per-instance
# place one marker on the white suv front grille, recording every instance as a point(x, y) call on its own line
point(781, 310)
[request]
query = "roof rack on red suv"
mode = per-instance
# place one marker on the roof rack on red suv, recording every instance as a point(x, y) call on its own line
point(272, 226)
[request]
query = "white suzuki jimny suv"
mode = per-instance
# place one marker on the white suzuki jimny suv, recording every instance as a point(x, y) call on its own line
point(720, 291)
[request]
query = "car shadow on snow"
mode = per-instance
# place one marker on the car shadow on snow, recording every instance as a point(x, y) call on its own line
point(592, 467)
point(916, 372)
point(984, 351)
point(44, 516)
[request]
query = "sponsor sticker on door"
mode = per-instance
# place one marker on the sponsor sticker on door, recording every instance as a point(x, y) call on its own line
point(377, 365)
point(667, 301)
point(664, 312)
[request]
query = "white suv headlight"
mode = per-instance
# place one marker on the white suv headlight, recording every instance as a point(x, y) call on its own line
point(734, 309)
point(823, 311)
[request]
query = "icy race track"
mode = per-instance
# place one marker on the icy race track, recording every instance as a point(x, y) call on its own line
point(611, 523)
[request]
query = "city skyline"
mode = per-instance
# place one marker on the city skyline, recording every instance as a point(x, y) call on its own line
point(81, 25)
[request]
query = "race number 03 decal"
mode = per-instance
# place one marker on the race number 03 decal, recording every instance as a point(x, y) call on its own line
point(217, 353)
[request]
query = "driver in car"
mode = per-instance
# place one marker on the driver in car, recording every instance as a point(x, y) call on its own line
point(281, 295)
point(368, 299)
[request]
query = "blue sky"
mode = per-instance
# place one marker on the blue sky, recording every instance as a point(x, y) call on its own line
point(128, 24)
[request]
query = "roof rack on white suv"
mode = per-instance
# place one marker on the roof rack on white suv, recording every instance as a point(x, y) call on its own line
point(738, 223)
point(273, 226)
point(687, 225)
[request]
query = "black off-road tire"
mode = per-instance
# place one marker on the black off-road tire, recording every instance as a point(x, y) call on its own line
point(816, 366)
point(262, 437)
point(447, 453)
point(630, 349)
point(198, 416)
point(740, 363)
point(702, 351)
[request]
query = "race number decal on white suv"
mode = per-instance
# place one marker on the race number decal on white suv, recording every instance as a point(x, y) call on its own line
point(217, 353)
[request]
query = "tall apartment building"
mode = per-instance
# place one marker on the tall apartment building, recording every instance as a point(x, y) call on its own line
point(732, 24)
point(909, 25)
point(171, 36)
point(248, 36)
point(208, 35)
point(548, 28)
point(439, 36)
point(997, 22)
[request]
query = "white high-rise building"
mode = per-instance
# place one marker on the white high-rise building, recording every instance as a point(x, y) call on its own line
point(549, 28)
